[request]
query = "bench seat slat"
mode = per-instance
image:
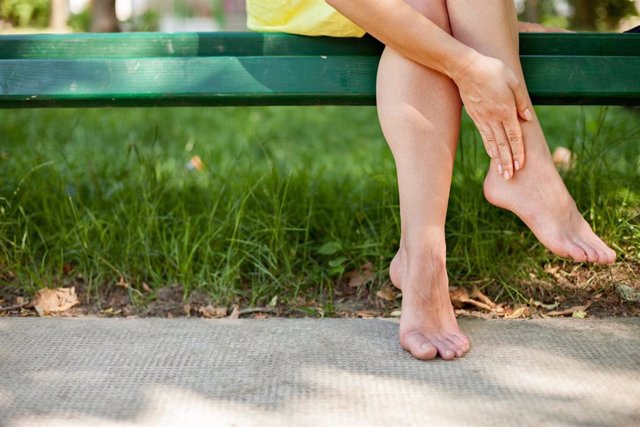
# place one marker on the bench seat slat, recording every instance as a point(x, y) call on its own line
point(144, 45)
point(302, 80)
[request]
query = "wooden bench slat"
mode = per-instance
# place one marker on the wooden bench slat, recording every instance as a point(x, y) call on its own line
point(301, 80)
point(142, 45)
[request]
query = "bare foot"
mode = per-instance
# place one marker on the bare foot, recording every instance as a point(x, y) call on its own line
point(538, 196)
point(428, 325)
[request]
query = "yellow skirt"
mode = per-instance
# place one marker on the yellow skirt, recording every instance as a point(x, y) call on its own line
point(307, 17)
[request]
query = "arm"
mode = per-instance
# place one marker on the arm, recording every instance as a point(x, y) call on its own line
point(490, 90)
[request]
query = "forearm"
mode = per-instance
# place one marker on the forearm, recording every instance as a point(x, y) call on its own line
point(405, 30)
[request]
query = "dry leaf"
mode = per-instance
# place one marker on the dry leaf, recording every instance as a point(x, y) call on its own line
point(395, 313)
point(367, 314)
point(563, 158)
point(477, 294)
point(386, 294)
point(460, 296)
point(122, 283)
point(54, 300)
point(20, 301)
point(568, 311)
point(212, 312)
point(146, 287)
point(579, 314)
point(235, 313)
point(545, 306)
point(518, 313)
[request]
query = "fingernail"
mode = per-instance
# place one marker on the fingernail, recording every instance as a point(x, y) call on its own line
point(528, 114)
point(517, 165)
point(490, 153)
point(500, 169)
point(506, 175)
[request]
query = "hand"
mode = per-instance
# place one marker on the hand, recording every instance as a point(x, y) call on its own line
point(494, 98)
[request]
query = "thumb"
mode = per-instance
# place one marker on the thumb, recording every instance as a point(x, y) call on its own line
point(523, 105)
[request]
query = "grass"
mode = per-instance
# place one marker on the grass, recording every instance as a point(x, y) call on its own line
point(289, 200)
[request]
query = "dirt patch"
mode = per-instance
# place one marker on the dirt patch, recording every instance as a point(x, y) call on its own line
point(563, 290)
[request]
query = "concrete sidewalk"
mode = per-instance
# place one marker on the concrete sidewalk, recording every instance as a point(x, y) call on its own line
point(313, 372)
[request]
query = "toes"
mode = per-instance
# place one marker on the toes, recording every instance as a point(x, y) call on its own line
point(605, 254)
point(592, 254)
point(419, 346)
point(577, 253)
point(461, 345)
point(446, 350)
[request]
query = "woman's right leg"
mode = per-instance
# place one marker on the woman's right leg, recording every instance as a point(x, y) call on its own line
point(419, 112)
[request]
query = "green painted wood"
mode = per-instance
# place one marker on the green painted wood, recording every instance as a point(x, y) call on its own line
point(301, 80)
point(143, 45)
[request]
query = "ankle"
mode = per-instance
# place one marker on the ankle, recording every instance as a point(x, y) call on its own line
point(423, 258)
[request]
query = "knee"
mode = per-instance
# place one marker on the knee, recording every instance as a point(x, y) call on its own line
point(434, 10)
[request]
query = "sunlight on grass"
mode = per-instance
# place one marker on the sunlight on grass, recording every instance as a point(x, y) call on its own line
point(109, 193)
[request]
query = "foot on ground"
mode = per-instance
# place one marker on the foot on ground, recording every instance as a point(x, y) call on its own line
point(428, 325)
point(538, 196)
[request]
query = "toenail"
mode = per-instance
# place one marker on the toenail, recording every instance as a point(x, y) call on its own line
point(425, 347)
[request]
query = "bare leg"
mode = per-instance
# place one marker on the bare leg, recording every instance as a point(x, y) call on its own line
point(419, 112)
point(536, 193)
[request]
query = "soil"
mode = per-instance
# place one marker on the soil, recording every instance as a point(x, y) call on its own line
point(567, 289)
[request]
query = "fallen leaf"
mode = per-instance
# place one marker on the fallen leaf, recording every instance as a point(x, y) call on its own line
point(146, 287)
point(545, 306)
point(367, 314)
point(460, 296)
point(211, 312)
point(579, 314)
point(395, 313)
point(122, 283)
point(19, 300)
point(563, 158)
point(386, 294)
point(518, 313)
point(477, 294)
point(235, 313)
point(195, 163)
point(568, 311)
point(54, 300)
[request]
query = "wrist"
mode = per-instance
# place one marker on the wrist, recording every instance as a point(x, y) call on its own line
point(460, 63)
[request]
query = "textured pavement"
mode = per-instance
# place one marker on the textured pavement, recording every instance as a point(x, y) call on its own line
point(314, 372)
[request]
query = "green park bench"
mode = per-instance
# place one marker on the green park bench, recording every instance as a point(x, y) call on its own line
point(217, 69)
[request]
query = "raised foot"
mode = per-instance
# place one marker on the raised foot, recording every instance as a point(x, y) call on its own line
point(428, 325)
point(538, 196)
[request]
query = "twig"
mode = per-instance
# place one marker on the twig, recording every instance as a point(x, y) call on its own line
point(12, 307)
point(252, 310)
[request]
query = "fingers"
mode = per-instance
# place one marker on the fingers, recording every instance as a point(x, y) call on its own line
point(505, 162)
point(514, 136)
point(525, 110)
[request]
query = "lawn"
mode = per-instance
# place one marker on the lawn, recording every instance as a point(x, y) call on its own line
point(289, 203)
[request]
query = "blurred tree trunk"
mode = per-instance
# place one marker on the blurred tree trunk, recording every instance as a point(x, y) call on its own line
point(585, 15)
point(531, 11)
point(103, 16)
point(59, 15)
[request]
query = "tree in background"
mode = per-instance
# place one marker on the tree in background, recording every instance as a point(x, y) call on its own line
point(103, 16)
point(59, 15)
point(601, 14)
point(585, 15)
